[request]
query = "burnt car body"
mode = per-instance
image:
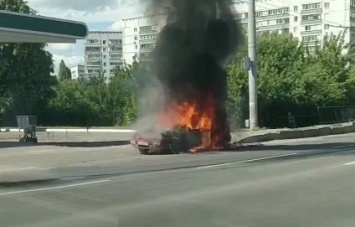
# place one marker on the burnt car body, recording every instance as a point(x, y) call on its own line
point(168, 142)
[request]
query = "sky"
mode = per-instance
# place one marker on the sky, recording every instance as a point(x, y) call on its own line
point(99, 15)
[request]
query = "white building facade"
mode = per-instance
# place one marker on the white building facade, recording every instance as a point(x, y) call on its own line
point(309, 20)
point(103, 53)
point(78, 72)
point(139, 37)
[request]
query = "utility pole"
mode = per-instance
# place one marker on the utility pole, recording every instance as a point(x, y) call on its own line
point(253, 94)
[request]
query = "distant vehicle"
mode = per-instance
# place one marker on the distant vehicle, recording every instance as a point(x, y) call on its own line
point(173, 141)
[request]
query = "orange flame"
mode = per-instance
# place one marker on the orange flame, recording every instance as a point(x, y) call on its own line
point(192, 115)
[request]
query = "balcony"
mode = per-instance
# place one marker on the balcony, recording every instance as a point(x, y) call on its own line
point(312, 32)
point(147, 41)
point(274, 16)
point(112, 52)
point(93, 59)
point(92, 52)
point(93, 64)
point(311, 11)
point(311, 22)
point(272, 27)
point(116, 59)
point(312, 43)
point(92, 44)
point(148, 32)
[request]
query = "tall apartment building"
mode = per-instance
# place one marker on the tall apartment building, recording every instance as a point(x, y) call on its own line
point(78, 72)
point(309, 20)
point(103, 53)
point(139, 36)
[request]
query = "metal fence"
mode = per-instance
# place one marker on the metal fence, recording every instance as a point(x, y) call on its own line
point(303, 117)
point(336, 114)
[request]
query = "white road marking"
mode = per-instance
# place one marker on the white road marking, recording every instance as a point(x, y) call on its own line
point(213, 166)
point(53, 188)
point(349, 163)
point(271, 157)
point(246, 161)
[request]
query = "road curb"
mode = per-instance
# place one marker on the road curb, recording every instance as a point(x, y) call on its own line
point(39, 129)
point(301, 133)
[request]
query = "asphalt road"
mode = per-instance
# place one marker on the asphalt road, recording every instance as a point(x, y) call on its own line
point(296, 183)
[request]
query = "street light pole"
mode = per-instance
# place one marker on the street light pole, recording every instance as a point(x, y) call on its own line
point(253, 94)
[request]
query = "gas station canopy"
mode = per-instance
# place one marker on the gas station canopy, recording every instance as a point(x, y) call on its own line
point(16, 28)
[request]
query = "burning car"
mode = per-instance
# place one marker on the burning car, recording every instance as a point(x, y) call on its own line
point(187, 78)
point(168, 142)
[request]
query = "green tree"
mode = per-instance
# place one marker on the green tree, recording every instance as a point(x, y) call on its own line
point(122, 94)
point(70, 105)
point(328, 72)
point(24, 70)
point(64, 72)
point(97, 96)
point(293, 79)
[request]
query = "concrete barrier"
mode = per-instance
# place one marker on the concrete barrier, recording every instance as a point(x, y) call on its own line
point(88, 130)
point(308, 132)
point(262, 136)
point(324, 131)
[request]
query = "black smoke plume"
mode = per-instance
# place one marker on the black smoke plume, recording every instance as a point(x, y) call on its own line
point(197, 39)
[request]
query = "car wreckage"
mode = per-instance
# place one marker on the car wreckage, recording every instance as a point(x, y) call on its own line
point(172, 141)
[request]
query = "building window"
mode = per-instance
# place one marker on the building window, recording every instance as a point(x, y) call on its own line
point(326, 26)
point(147, 29)
point(311, 6)
point(135, 38)
point(310, 38)
point(147, 46)
point(114, 63)
point(326, 5)
point(115, 49)
point(92, 41)
point(136, 46)
point(311, 17)
point(295, 8)
point(92, 49)
point(135, 29)
point(104, 49)
point(295, 18)
point(104, 42)
point(104, 63)
point(115, 41)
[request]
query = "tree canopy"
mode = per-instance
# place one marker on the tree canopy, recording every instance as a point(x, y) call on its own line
point(64, 72)
point(293, 78)
point(25, 69)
